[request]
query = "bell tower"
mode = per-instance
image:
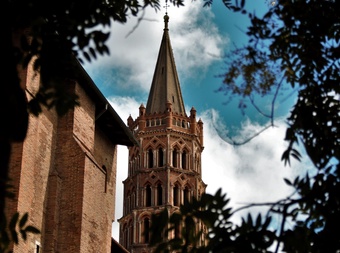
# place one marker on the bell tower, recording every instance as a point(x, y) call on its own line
point(165, 168)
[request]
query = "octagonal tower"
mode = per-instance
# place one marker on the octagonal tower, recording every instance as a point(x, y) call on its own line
point(165, 169)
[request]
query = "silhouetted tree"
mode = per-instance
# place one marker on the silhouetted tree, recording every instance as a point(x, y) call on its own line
point(55, 35)
point(296, 43)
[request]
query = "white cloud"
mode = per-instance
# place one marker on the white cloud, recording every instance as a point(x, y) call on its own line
point(249, 173)
point(134, 47)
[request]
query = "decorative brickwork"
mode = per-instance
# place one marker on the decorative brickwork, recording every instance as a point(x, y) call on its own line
point(165, 169)
point(64, 173)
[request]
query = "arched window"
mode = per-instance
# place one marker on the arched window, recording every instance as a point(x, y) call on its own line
point(159, 194)
point(176, 195)
point(184, 159)
point(148, 195)
point(160, 157)
point(146, 230)
point(150, 158)
point(174, 158)
point(186, 194)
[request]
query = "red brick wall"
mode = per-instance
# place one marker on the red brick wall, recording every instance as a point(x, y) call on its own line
point(31, 175)
point(58, 178)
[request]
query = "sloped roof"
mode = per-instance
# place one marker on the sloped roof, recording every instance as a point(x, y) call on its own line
point(106, 117)
point(117, 248)
point(165, 85)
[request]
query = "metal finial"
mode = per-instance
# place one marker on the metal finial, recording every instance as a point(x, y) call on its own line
point(166, 7)
point(166, 17)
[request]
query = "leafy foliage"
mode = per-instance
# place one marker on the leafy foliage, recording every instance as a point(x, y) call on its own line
point(296, 40)
point(303, 47)
point(61, 32)
point(10, 232)
point(297, 44)
point(54, 37)
point(208, 3)
point(221, 234)
point(309, 221)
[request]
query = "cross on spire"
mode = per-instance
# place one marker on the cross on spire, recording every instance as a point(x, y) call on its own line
point(166, 7)
point(166, 17)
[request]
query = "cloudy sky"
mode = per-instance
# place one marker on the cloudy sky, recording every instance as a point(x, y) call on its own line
point(200, 39)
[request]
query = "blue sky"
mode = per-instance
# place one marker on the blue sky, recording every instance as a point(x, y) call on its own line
point(200, 38)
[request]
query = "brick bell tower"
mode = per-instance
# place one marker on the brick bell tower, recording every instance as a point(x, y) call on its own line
point(165, 169)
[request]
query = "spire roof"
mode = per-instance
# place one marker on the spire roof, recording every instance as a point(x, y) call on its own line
point(165, 85)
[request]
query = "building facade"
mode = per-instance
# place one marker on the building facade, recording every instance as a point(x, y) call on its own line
point(64, 173)
point(165, 168)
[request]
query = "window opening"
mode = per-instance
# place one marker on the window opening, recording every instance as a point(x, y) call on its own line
point(148, 195)
point(146, 230)
point(150, 158)
point(159, 195)
point(174, 158)
point(160, 157)
point(184, 160)
point(176, 197)
point(186, 195)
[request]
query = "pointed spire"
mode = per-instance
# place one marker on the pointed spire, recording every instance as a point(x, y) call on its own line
point(165, 85)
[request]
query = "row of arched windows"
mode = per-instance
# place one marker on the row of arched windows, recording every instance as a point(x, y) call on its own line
point(180, 123)
point(183, 159)
point(180, 196)
point(179, 159)
point(175, 122)
point(130, 201)
point(157, 158)
point(160, 158)
point(153, 199)
point(155, 196)
point(142, 231)
point(155, 122)
point(128, 234)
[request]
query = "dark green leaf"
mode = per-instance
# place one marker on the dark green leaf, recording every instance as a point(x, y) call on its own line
point(23, 220)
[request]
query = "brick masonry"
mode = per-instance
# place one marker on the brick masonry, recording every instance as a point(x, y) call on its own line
point(64, 176)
